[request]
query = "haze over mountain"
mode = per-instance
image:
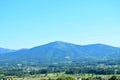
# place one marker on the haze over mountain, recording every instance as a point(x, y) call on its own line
point(62, 51)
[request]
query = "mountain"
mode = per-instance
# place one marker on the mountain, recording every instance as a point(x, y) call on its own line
point(62, 51)
point(3, 50)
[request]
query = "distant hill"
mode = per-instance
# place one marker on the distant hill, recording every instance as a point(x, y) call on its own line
point(62, 51)
point(4, 50)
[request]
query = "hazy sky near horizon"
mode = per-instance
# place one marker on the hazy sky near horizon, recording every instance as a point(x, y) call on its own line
point(29, 23)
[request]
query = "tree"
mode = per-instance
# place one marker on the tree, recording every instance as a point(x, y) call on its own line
point(43, 71)
point(113, 78)
point(70, 72)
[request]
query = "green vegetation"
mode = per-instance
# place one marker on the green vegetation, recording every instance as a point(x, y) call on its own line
point(61, 71)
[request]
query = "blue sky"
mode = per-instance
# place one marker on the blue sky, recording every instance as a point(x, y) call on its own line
point(29, 23)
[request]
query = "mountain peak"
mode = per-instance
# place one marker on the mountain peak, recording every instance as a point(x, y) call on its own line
point(58, 42)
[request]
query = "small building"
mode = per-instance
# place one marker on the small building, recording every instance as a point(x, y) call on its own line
point(79, 79)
